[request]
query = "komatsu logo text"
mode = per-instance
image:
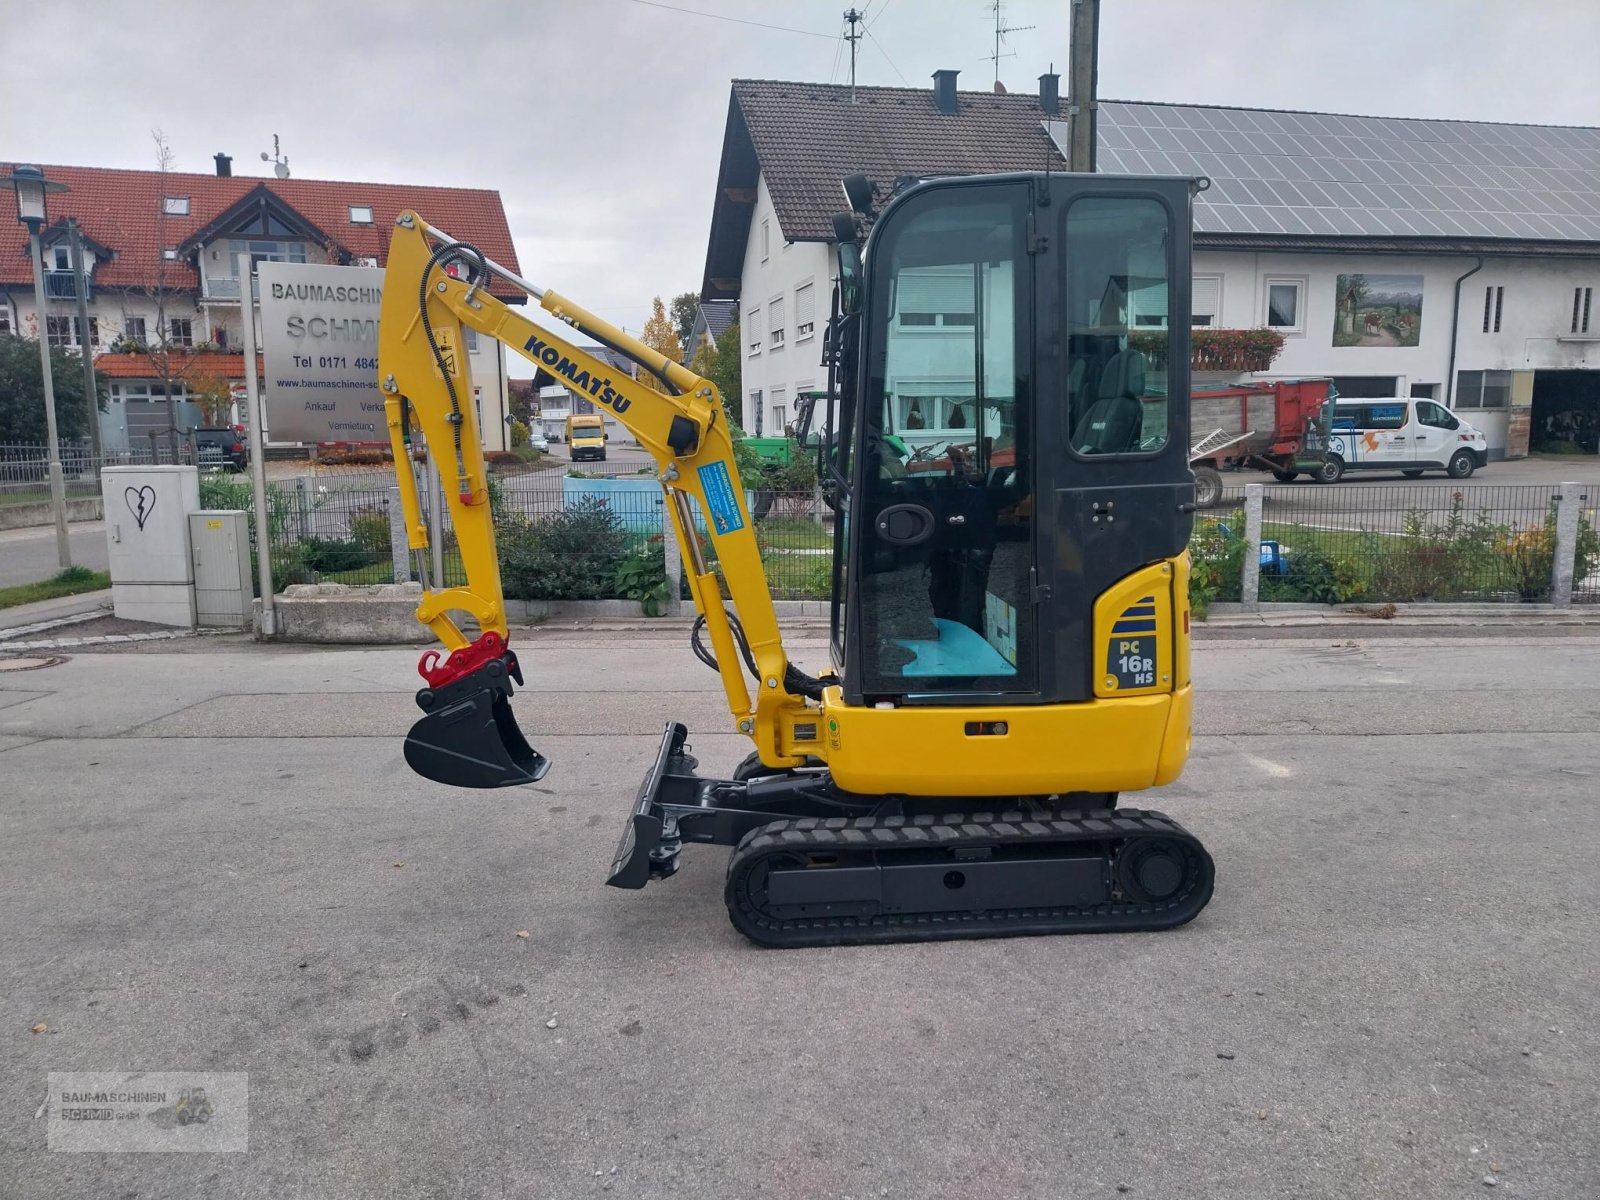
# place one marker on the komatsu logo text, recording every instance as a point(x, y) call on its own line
point(577, 379)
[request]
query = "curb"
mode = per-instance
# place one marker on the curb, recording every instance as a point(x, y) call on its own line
point(105, 639)
point(1231, 615)
point(56, 623)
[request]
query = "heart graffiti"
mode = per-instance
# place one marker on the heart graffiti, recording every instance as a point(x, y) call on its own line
point(141, 502)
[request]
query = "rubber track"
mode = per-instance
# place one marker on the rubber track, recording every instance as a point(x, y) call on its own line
point(887, 834)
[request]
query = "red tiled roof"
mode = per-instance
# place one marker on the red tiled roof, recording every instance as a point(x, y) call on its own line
point(137, 366)
point(122, 210)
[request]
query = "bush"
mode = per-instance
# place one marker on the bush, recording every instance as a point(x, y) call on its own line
point(1312, 577)
point(369, 529)
point(573, 555)
point(329, 556)
point(1216, 566)
point(519, 435)
point(643, 577)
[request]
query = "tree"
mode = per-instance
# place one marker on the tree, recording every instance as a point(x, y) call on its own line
point(215, 398)
point(171, 358)
point(660, 336)
point(22, 393)
point(684, 308)
point(723, 364)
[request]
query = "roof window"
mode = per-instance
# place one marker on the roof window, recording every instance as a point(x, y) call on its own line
point(361, 214)
point(175, 206)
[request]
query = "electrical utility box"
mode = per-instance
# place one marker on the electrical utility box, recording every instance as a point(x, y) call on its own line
point(147, 533)
point(223, 594)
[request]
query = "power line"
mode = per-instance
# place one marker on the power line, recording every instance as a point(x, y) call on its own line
point(886, 57)
point(694, 12)
point(881, 11)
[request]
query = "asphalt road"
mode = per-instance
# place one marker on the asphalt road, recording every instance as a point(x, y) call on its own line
point(29, 555)
point(215, 859)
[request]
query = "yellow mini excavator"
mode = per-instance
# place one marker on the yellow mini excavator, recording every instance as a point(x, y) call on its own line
point(1006, 434)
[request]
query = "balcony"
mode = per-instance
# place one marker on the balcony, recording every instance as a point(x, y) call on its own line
point(226, 289)
point(63, 285)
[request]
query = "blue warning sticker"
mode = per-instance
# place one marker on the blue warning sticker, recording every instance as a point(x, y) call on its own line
point(722, 503)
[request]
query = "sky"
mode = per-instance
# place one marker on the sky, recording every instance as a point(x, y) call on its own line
point(600, 122)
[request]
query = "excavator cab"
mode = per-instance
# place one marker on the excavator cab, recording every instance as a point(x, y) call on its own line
point(1012, 425)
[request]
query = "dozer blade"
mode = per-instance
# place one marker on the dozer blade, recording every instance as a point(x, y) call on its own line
point(468, 736)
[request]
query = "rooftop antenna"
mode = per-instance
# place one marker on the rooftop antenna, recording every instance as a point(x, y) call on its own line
point(280, 164)
point(1000, 31)
point(853, 18)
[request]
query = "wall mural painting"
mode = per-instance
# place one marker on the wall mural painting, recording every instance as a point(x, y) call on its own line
point(1377, 310)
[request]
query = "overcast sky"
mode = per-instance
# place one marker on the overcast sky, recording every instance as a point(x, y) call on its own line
point(600, 121)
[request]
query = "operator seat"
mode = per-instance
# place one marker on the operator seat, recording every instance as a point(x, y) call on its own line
point(1114, 421)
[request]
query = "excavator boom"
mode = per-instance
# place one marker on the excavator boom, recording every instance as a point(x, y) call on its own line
point(435, 287)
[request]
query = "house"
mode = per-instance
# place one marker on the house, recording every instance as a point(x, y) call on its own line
point(711, 321)
point(1451, 259)
point(557, 401)
point(163, 253)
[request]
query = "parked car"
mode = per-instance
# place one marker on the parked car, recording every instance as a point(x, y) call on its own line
point(221, 448)
point(1402, 433)
point(539, 442)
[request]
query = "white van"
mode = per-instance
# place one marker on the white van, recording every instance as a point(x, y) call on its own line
point(1401, 433)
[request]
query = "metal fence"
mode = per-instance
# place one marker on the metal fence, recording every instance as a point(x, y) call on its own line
point(602, 536)
point(25, 468)
point(1396, 543)
point(585, 538)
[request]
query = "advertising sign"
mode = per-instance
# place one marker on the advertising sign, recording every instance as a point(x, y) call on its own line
point(319, 342)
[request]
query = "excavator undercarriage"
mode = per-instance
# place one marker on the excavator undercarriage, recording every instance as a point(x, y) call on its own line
point(813, 866)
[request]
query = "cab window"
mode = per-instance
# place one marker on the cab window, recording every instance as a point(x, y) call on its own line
point(1436, 416)
point(1115, 266)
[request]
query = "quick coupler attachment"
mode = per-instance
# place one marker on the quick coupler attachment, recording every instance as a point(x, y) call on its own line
point(468, 736)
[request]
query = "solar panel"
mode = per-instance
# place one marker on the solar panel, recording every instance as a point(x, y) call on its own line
point(1322, 173)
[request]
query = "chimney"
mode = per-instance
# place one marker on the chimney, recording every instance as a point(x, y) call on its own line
point(944, 91)
point(1050, 94)
point(224, 165)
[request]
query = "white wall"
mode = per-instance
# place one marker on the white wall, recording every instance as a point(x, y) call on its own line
point(796, 366)
point(1536, 318)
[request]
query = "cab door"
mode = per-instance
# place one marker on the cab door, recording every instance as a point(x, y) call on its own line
point(943, 565)
point(1433, 434)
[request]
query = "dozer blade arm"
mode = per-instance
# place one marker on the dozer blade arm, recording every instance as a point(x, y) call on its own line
point(434, 287)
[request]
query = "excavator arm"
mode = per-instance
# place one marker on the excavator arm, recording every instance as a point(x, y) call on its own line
point(435, 288)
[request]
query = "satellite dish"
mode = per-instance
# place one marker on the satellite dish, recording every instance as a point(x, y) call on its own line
point(281, 170)
point(265, 157)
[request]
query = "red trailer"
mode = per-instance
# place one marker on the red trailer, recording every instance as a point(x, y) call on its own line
point(1280, 426)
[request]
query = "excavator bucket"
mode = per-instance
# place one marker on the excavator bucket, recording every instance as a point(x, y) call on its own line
point(468, 736)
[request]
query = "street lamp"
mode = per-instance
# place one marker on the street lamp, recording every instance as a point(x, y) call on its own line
point(31, 188)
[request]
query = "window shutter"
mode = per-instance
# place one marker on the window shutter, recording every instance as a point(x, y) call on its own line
point(935, 290)
point(775, 315)
point(1206, 296)
point(804, 306)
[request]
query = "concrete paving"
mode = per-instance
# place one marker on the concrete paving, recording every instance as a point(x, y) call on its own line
point(215, 859)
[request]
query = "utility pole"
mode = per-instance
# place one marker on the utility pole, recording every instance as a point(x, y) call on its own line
point(853, 18)
point(1083, 71)
point(58, 488)
point(1000, 31)
point(85, 342)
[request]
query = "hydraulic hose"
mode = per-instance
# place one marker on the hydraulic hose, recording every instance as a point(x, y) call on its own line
point(478, 273)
